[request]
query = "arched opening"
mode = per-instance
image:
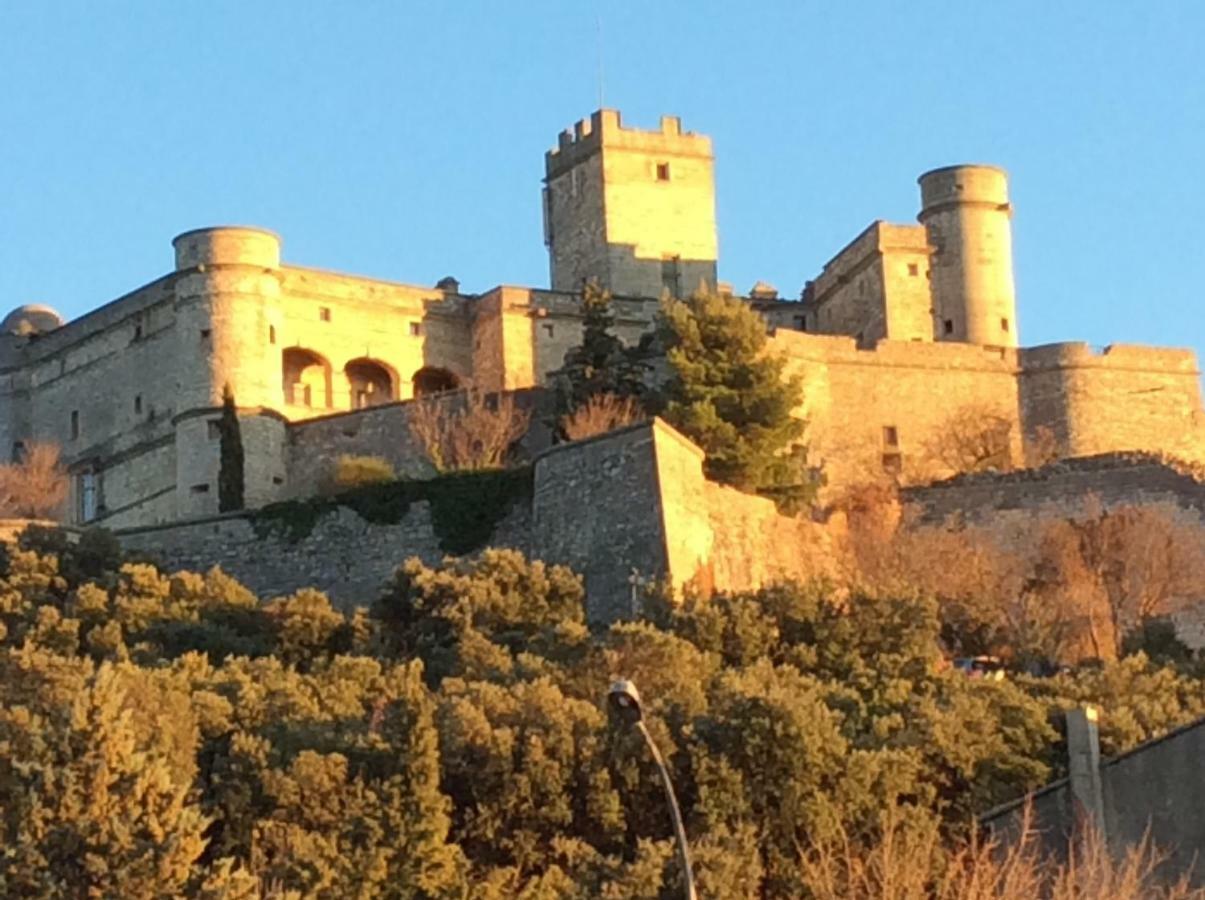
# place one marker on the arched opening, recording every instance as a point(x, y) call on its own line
point(369, 383)
point(306, 379)
point(430, 380)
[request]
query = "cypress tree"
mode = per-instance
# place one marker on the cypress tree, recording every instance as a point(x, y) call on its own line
point(601, 364)
point(230, 471)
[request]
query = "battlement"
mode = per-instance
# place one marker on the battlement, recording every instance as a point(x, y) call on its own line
point(605, 128)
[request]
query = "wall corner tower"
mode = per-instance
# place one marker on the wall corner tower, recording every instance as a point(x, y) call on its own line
point(633, 209)
point(966, 214)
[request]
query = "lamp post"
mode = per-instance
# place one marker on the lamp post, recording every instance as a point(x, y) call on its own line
point(625, 700)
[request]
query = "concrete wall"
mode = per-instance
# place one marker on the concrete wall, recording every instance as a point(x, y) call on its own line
point(1156, 789)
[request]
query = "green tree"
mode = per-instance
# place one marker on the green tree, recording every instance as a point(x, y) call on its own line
point(230, 471)
point(600, 364)
point(733, 399)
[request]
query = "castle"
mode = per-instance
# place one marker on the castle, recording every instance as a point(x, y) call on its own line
point(904, 328)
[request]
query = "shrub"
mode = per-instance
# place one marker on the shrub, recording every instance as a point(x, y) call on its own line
point(599, 414)
point(36, 486)
point(357, 471)
point(468, 431)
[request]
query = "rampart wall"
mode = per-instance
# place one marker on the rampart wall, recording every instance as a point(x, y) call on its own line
point(1062, 487)
point(345, 556)
point(630, 503)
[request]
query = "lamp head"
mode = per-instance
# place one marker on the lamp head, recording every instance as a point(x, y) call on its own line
point(625, 701)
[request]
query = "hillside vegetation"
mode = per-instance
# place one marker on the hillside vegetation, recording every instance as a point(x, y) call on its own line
point(167, 735)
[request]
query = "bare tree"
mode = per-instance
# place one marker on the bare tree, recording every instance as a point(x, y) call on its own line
point(973, 439)
point(1118, 568)
point(36, 486)
point(599, 414)
point(467, 430)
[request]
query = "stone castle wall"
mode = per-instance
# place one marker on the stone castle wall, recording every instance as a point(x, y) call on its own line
point(630, 503)
point(344, 556)
point(856, 398)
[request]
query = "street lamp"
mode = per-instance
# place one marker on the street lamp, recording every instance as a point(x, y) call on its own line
point(625, 700)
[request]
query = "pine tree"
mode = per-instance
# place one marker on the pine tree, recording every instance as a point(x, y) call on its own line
point(230, 472)
point(732, 398)
point(601, 364)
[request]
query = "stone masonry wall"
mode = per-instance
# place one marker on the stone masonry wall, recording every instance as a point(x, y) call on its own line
point(344, 556)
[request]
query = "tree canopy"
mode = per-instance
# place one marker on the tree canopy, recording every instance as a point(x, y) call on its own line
point(733, 398)
point(168, 735)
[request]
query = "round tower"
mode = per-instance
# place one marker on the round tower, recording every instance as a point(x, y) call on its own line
point(966, 215)
point(227, 285)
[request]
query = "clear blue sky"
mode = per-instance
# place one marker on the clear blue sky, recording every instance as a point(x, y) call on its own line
point(406, 140)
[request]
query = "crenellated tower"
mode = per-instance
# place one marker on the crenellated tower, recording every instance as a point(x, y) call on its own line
point(966, 214)
point(633, 209)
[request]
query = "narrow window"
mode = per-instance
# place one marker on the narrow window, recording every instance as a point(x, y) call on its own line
point(205, 332)
point(671, 275)
point(276, 479)
point(663, 171)
point(891, 437)
point(18, 451)
point(548, 329)
point(271, 334)
point(1004, 325)
point(324, 313)
point(913, 269)
point(87, 496)
point(138, 404)
point(948, 326)
point(892, 463)
point(416, 329)
point(138, 332)
point(200, 489)
point(214, 429)
point(74, 424)
point(801, 323)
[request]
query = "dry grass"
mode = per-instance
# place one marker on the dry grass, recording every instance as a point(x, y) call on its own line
point(35, 487)
point(600, 414)
point(909, 862)
point(468, 430)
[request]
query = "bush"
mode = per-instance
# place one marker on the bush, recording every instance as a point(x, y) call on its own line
point(356, 471)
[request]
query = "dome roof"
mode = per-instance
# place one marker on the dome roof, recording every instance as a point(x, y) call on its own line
point(33, 318)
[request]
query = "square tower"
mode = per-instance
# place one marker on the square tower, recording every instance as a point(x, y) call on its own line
point(633, 209)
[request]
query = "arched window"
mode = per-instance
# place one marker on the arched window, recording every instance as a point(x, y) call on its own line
point(369, 382)
point(430, 380)
point(306, 379)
